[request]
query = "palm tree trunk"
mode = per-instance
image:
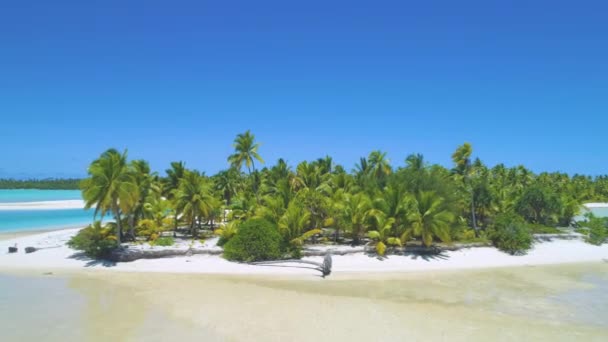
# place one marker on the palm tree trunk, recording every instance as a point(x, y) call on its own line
point(193, 226)
point(118, 224)
point(176, 223)
point(255, 188)
point(132, 227)
point(474, 219)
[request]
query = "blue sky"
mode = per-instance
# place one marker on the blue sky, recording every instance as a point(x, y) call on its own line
point(526, 82)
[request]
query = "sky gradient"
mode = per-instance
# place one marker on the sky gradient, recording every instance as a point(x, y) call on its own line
point(526, 82)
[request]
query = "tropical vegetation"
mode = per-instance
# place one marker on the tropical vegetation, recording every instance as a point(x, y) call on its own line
point(40, 184)
point(377, 203)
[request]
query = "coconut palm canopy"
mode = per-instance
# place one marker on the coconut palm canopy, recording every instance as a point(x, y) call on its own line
point(376, 203)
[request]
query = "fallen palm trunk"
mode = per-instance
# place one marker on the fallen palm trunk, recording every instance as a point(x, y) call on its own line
point(324, 267)
point(127, 254)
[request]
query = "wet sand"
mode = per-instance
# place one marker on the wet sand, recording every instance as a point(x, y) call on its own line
point(558, 303)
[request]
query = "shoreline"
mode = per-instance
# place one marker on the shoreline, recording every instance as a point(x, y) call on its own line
point(15, 234)
point(54, 256)
point(42, 205)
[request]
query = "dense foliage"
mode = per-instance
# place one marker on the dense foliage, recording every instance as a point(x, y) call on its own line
point(255, 240)
point(41, 184)
point(96, 241)
point(511, 234)
point(320, 201)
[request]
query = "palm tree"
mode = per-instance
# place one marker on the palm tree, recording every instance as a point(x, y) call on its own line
point(379, 164)
point(110, 187)
point(194, 198)
point(294, 222)
point(462, 159)
point(381, 235)
point(429, 219)
point(415, 161)
point(356, 212)
point(245, 153)
point(144, 180)
point(174, 174)
point(227, 182)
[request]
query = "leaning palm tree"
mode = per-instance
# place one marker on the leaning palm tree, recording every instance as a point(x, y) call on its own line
point(429, 219)
point(110, 187)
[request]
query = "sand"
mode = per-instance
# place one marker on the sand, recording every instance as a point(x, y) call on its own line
point(543, 303)
point(54, 254)
point(596, 205)
point(43, 205)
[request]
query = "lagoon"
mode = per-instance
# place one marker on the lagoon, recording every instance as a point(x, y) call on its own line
point(26, 220)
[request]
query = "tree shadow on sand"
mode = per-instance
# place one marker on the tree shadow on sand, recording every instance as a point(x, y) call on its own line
point(427, 256)
point(92, 262)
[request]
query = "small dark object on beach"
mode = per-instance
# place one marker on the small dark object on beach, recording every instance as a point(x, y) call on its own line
point(30, 249)
point(13, 249)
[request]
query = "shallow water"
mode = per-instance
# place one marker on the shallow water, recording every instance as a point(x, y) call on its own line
point(32, 195)
point(558, 303)
point(28, 220)
point(24, 220)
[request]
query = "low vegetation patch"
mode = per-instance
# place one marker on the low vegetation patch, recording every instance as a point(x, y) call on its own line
point(595, 229)
point(96, 241)
point(164, 241)
point(256, 240)
point(511, 234)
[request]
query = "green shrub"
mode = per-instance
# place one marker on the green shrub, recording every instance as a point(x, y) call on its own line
point(510, 233)
point(255, 240)
point(164, 241)
point(96, 241)
point(596, 230)
point(226, 232)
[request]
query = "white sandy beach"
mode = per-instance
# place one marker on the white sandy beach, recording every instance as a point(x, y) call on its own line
point(55, 255)
point(43, 205)
point(595, 205)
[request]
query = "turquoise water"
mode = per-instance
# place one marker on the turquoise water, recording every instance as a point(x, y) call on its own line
point(8, 196)
point(599, 212)
point(22, 220)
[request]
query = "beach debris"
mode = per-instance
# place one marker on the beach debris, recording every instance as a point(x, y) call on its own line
point(30, 249)
point(13, 249)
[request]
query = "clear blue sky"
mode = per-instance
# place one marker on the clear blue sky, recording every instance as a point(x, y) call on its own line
point(526, 82)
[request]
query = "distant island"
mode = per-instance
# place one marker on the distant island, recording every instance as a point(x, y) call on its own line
point(40, 184)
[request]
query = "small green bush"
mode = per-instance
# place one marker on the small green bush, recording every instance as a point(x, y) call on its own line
point(164, 241)
point(96, 241)
point(596, 230)
point(510, 234)
point(255, 240)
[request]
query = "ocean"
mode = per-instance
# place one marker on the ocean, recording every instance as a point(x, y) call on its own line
point(23, 220)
